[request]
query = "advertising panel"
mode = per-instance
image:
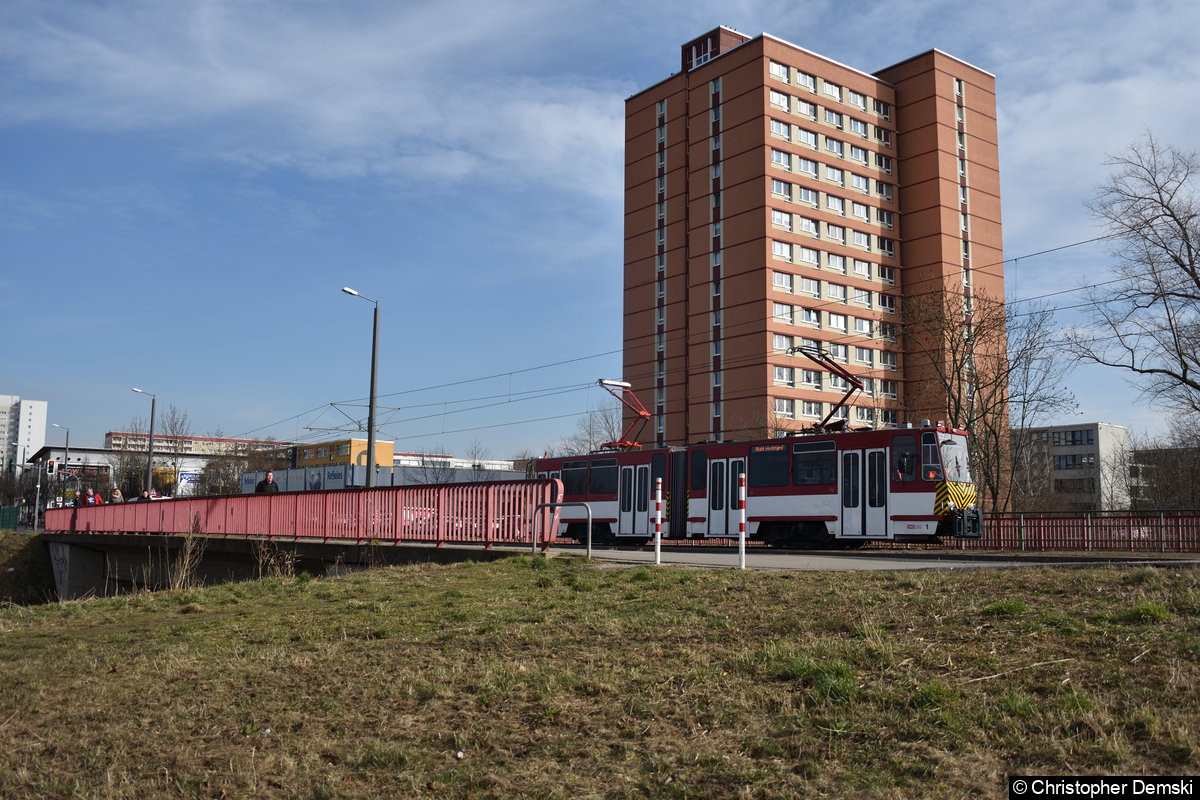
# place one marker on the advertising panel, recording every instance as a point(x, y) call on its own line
point(335, 477)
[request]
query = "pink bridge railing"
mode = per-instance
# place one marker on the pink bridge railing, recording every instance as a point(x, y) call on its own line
point(496, 512)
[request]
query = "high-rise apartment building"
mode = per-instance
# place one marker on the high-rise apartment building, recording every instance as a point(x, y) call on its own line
point(776, 199)
point(22, 430)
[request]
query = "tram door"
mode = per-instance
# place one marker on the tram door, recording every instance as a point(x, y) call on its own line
point(864, 485)
point(635, 517)
point(723, 476)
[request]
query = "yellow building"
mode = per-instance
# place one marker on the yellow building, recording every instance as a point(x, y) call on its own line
point(343, 451)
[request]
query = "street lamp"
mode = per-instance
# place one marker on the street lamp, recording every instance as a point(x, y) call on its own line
point(62, 481)
point(371, 407)
point(150, 446)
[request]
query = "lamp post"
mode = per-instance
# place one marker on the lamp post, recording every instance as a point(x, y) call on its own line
point(150, 446)
point(62, 481)
point(371, 407)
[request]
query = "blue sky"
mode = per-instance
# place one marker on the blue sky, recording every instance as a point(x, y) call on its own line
point(185, 187)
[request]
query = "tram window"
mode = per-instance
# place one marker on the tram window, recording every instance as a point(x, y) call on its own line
point(574, 477)
point(716, 498)
point(604, 476)
point(736, 470)
point(814, 463)
point(931, 460)
point(699, 469)
point(876, 480)
point(850, 480)
point(627, 490)
point(955, 458)
point(768, 465)
point(904, 458)
point(643, 488)
point(658, 469)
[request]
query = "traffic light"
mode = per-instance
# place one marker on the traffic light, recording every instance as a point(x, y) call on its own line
point(49, 467)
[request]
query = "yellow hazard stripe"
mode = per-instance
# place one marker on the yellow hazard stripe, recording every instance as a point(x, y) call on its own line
point(961, 495)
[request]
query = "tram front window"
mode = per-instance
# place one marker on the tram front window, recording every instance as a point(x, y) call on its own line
point(956, 460)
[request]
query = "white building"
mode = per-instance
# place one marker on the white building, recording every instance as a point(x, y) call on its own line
point(1087, 465)
point(22, 430)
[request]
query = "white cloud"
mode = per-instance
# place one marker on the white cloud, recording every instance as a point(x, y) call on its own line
point(409, 94)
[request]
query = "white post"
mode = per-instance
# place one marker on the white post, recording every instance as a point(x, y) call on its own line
point(658, 520)
point(742, 521)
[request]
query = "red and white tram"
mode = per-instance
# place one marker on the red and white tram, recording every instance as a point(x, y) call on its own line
point(823, 489)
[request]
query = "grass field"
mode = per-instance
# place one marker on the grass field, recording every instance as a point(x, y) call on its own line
point(534, 678)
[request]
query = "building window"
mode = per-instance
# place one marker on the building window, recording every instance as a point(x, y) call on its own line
point(806, 80)
point(781, 219)
point(781, 129)
point(785, 407)
point(863, 296)
point(660, 341)
point(887, 330)
point(838, 383)
point(884, 163)
point(808, 226)
point(715, 114)
point(887, 302)
point(781, 188)
point(806, 137)
point(780, 99)
point(835, 204)
point(864, 414)
point(833, 90)
point(835, 175)
point(887, 360)
point(962, 195)
point(962, 141)
point(833, 118)
point(784, 313)
point(809, 196)
point(958, 87)
point(959, 115)
point(963, 222)
point(859, 127)
point(883, 136)
point(779, 71)
point(782, 281)
point(661, 184)
point(888, 275)
point(887, 247)
point(781, 250)
point(781, 342)
point(811, 287)
point(886, 218)
point(862, 239)
point(806, 108)
point(882, 109)
point(662, 288)
point(966, 251)
point(812, 409)
point(835, 291)
point(884, 190)
point(862, 211)
point(862, 326)
point(716, 318)
point(836, 147)
point(714, 171)
point(660, 159)
point(809, 166)
point(856, 99)
point(716, 378)
point(661, 108)
point(837, 322)
point(785, 376)
point(716, 288)
point(811, 377)
point(836, 263)
point(838, 352)
point(781, 159)
point(887, 388)
point(862, 268)
point(859, 154)
point(837, 233)
point(812, 317)
point(962, 166)
point(809, 255)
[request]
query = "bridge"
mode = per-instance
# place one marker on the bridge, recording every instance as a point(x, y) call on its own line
point(109, 549)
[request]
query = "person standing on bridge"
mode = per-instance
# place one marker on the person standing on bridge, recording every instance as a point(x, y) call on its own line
point(267, 485)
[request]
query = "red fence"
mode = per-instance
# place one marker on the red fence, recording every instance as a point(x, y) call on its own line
point(497, 512)
point(1130, 531)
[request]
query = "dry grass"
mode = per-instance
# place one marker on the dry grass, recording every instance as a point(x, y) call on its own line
point(558, 679)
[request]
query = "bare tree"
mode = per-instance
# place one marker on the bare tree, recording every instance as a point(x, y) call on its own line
point(176, 428)
point(991, 370)
point(1160, 468)
point(1147, 322)
point(129, 466)
point(477, 454)
point(601, 424)
point(221, 475)
point(436, 469)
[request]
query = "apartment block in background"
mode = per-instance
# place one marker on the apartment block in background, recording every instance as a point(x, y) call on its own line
point(776, 199)
point(22, 430)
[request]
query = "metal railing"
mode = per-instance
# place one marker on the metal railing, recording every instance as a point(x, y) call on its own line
point(495, 512)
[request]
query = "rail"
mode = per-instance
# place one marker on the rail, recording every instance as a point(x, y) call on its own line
point(489, 513)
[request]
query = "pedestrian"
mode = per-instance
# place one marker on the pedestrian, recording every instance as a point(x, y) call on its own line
point(117, 497)
point(145, 496)
point(267, 485)
point(90, 498)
